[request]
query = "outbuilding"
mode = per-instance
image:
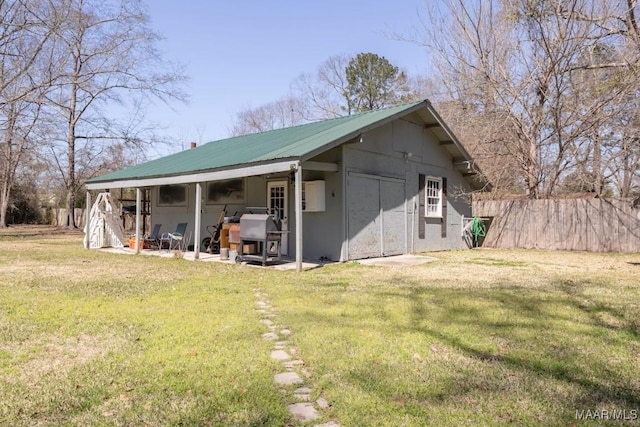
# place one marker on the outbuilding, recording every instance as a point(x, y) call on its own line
point(372, 184)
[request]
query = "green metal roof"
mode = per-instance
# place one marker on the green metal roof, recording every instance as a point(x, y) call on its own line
point(289, 143)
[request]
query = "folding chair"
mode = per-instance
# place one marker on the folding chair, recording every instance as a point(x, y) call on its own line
point(154, 238)
point(186, 241)
point(174, 240)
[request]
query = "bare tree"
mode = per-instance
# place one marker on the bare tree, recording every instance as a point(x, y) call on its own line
point(104, 51)
point(328, 93)
point(346, 85)
point(517, 71)
point(324, 90)
point(285, 112)
point(25, 37)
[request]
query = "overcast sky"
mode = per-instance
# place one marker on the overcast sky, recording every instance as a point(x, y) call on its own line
point(244, 54)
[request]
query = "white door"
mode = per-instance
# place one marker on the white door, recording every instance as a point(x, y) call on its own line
point(278, 204)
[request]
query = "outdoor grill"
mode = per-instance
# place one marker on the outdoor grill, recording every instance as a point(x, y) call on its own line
point(262, 230)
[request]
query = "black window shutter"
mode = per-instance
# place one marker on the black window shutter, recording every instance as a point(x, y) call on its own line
point(422, 182)
point(444, 207)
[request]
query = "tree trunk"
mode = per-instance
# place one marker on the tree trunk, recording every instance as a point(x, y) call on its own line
point(532, 171)
point(4, 203)
point(71, 173)
point(71, 141)
point(597, 164)
point(628, 168)
point(8, 172)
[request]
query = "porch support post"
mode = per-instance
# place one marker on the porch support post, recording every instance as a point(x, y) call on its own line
point(196, 232)
point(298, 201)
point(87, 220)
point(138, 218)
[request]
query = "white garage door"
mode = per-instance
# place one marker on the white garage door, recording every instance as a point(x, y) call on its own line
point(376, 216)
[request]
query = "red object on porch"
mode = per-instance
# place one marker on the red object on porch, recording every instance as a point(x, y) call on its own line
point(234, 233)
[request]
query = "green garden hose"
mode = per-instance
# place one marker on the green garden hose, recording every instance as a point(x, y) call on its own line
point(478, 229)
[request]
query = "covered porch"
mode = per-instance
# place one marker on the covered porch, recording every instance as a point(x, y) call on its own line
point(277, 177)
point(285, 264)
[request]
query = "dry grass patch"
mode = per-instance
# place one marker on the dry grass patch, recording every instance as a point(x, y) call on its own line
point(28, 230)
point(53, 356)
point(30, 261)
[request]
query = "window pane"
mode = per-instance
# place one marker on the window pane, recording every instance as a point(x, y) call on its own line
point(172, 195)
point(228, 191)
point(433, 198)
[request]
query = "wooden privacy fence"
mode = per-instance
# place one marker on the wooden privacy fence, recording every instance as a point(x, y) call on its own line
point(585, 224)
point(58, 217)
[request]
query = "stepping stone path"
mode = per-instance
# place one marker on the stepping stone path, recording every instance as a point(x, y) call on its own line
point(270, 336)
point(280, 354)
point(302, 409)
point(288, 378)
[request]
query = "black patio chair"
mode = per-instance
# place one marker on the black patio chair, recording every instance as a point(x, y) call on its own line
point(154, 238)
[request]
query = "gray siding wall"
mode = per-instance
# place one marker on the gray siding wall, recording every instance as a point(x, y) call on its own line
point(382, 152)
point(322, 231)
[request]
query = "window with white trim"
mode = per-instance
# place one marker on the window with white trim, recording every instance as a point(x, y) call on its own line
point(433, 198)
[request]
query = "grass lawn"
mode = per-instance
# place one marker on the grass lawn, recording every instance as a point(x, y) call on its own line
point(475, 338)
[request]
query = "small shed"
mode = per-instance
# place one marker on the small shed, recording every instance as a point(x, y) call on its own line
point(372, 184)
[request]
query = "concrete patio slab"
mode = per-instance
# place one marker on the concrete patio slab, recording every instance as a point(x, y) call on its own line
point(284, 264)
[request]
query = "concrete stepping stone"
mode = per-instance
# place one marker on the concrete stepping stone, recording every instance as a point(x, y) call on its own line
point(293, 363)
point(322, 403)
point(302, 393)
point(303, 411)
point(270, 336)
point(287, 378)
point(280, 355)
